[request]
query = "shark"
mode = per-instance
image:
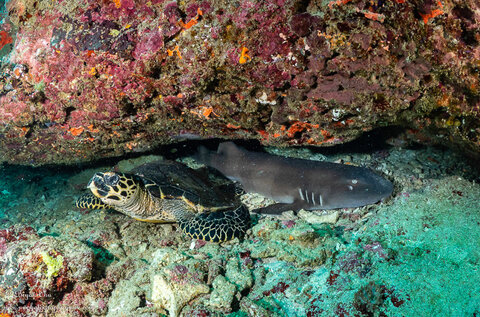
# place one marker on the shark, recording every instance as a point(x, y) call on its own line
point(297, 183)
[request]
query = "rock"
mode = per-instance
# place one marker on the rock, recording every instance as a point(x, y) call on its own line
point(238, 275)
point(317, 217)
point(91, 298)
point(164, 256)
point(40, 269)
point(222, 294)
point(176, 279)
point(290, 81)
point(125, 298)
point(292, 241)
point(173, 295)
point(254, 310)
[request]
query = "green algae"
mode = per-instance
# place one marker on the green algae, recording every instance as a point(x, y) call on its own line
point(101, 254)
point(437, 252)
point(54, 264)
point(417, 256)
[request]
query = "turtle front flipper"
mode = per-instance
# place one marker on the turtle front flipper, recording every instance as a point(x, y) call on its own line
point(90, 201)
point(217, 226)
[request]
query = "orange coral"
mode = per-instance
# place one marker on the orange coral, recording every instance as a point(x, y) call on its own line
point(203, 112)
point(207, 112)
point(23, 131)
point(92, 129)
point(17, 72)
point(296, 126)
point(343, 123)
point(338, 2)
point(433, 13)
point(264, 134)
point(118, 3)
point(244, 57)
point(299, 126)
point(131, 145)
point(327, 137)
point(374, 16)
point(232, 126)
point(192, 22)
point(76, 131)
point(177, 50)
point(93, 71)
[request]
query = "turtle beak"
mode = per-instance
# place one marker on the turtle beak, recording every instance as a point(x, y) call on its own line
point(97, 186)
point(90, 184)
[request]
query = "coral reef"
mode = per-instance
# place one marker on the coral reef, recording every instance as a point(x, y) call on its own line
point(90, 79)
point(414, 254)
point(37, 271)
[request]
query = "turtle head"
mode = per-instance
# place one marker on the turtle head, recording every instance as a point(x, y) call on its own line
point(114, 189)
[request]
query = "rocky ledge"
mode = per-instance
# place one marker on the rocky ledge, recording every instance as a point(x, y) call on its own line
point(90, 79)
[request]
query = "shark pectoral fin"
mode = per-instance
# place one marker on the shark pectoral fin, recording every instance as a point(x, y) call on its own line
point(278, 209)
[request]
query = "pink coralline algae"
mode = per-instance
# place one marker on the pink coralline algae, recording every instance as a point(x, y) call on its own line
point(89, 297)
point(377, 249)
point(138, 72)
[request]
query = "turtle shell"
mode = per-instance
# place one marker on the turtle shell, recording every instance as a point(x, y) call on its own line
point(176, 180)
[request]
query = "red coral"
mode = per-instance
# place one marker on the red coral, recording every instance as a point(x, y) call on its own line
point(281, 287)
point(5, 39)
point(16, 233)
point(332, 278)
point(302, 24)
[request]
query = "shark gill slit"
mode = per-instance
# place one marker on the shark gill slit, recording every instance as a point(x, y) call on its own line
point(301, 194)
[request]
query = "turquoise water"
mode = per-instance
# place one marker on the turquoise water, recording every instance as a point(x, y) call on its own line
point(416, 254)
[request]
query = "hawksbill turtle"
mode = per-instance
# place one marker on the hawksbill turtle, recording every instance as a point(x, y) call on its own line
point(168, 191)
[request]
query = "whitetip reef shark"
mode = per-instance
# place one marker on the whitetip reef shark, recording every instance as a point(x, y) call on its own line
point(297, 183)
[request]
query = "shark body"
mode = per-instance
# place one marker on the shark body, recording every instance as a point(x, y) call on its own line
point(296, 183)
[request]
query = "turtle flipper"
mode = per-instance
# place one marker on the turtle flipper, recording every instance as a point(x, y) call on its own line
point(217, 226)
point(90, 201)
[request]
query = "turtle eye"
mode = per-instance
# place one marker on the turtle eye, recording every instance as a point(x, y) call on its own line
point(95, 180)
point(111, 180)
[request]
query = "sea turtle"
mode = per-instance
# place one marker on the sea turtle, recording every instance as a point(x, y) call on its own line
point(168, 191)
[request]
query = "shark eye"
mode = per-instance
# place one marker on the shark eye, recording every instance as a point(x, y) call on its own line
point(112, 180)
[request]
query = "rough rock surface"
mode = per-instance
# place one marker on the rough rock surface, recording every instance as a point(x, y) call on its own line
point(89, 79)
point(35, 272)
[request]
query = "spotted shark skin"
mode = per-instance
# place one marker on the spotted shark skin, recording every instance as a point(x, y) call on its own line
point(295, 183)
